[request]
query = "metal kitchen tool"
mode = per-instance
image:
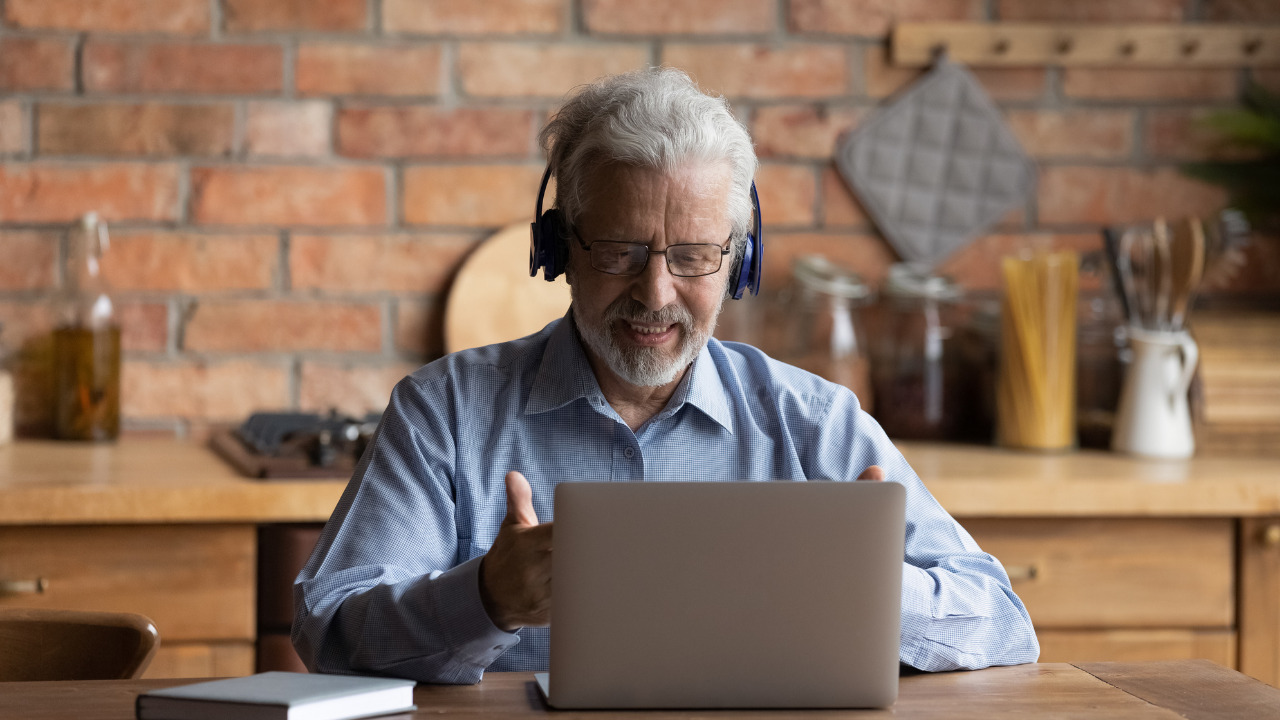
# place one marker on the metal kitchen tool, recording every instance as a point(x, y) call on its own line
point(937, 166)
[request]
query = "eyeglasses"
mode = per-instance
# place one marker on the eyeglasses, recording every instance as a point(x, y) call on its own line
point(631, 258)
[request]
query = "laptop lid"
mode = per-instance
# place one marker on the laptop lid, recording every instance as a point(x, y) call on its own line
point(726, 595)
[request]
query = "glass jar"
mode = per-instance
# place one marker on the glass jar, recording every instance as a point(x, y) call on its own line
point(917, 366)
point(823, 328)
point(86, 344)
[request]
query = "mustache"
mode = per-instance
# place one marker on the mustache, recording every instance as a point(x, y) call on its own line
point(632, 310)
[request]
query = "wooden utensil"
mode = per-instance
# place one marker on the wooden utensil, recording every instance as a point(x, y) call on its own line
point(1187, 254)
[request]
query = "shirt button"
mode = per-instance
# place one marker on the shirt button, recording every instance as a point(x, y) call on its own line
point(628, 453)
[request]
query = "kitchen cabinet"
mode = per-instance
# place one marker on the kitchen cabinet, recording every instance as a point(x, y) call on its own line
point(1117, 558)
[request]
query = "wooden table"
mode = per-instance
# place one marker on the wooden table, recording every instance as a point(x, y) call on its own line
point(1192, 689)
point(1117, 558)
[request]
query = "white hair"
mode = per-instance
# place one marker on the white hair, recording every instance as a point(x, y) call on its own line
point(656, 119)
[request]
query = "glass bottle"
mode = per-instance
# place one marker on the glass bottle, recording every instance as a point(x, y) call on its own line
point(86, 344)
point(917, 370)
point(824, 331)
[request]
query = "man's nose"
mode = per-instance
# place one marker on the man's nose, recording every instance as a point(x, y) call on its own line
point(655, 285)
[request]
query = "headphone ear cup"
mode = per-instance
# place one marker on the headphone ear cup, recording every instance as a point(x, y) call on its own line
point(548, 251)
point(739, 279)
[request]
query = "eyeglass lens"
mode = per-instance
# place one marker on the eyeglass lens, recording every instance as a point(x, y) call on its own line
point(684, 260)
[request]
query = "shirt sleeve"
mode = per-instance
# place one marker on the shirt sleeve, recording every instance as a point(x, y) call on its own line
point(959, 610)
point(389, 588)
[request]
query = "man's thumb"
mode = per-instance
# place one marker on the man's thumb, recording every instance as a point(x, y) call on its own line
point(519, 501)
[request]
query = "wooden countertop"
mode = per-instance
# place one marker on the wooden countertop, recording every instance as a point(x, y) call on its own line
point(145, 480)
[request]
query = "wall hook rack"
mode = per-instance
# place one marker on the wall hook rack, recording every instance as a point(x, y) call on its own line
point(1147, 45)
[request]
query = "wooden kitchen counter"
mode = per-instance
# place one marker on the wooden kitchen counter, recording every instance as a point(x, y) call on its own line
point(150, 480)
point(1116, 558)
point(147, 480)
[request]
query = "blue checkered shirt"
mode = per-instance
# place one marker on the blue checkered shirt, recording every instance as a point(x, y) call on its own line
point(393, 585)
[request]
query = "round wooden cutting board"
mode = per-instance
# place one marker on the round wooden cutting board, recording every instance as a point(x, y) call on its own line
point(493, 299)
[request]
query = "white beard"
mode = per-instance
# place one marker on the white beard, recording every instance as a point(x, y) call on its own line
point(643, 367)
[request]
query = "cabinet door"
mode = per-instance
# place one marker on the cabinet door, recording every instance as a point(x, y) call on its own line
point(195, 582)
point(1118, 573)
point(1260, 598)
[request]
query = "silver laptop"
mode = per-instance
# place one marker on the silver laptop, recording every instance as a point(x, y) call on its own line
point(725, 595)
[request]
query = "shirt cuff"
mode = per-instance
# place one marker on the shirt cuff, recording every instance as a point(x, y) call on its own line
point(918, 588)
point(468, 628)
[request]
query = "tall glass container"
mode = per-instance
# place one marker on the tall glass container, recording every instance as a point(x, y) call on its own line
point(824, 332)
point(916, 365)
point(86, 344)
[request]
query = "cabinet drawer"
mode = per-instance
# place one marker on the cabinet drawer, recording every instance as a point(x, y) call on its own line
point(1113, 573)
point(195, 582)
point(1137, 645)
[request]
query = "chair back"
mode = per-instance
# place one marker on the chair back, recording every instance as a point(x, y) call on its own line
point(74, 645)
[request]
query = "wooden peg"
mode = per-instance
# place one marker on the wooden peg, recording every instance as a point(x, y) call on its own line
point(1064, 45)
point(1190, 47)
point(1000, 47)
point(1252, 46)
point(1128, 48)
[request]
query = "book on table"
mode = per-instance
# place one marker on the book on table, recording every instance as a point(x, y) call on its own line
point(279, 696)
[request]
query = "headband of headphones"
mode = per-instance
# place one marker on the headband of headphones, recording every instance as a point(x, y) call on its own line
point(546, 250)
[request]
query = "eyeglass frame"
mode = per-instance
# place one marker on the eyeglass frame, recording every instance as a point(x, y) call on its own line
point(724, 250)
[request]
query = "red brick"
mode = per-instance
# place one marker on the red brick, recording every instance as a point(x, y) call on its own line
point(227, 391)
point(376, 263)
point(330, 15)
point(1241, 10)
point(351, 69)
point(840, 208)
point(36, 63)
point(865, 254)
point(467, 17)
point(805, 131)
point(1101, 134)
point(419, 328)
point(351, 389)
point(31, 192)
point(977, 265)
point(788, 194)
point(679, 17)
point(1181, 134)
point(883, 79)
point(470, 195)
point(1095, 195)
point(13, 127)
point(289, 128)
point(29, 258)
point(283, 326)
point(763, 71)
point(416, 131)
point(342, 195)
point(1092, 11)
point(131, 129)
point(492, 69)
point(874, 18)
point(144, 326)
point(179, 17)
point(1152, 84)
point(189, 262)
point(212, 68)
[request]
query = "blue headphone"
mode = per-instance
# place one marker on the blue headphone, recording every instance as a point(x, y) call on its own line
point(547, 251)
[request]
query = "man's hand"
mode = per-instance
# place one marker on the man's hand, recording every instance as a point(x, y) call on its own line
point(515, 575)
point(873, 472)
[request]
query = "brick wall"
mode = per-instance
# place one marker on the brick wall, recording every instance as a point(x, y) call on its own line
point(290, 184)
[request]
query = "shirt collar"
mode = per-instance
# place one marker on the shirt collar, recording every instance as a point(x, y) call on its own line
point(565, 375)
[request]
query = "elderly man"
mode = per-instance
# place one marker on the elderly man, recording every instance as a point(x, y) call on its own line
point(435, 565)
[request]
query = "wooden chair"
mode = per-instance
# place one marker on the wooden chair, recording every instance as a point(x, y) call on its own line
point(74, 645)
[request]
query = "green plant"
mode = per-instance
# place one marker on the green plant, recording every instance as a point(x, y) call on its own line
point(1254, 183)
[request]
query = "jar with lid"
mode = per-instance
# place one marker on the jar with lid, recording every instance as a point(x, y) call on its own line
point(824, 332)
point(86, 344)
point(918, 363)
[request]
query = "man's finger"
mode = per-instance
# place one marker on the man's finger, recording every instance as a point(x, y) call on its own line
point(519, 501)
point(873, 472)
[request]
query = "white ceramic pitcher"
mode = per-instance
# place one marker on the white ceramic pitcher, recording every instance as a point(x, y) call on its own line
point(1153, 418)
